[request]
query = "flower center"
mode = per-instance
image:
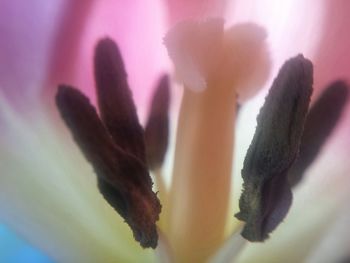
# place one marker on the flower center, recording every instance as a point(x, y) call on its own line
point(215, 67)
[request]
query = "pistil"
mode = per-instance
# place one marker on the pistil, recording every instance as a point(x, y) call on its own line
point(214, 67)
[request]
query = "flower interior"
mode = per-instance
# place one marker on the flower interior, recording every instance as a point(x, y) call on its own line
point(220, 69)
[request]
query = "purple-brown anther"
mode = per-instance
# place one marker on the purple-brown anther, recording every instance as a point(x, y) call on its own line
point(157, 127)
point(320, 123)
point(115, 103)
point(114, 144)
point(267, 196)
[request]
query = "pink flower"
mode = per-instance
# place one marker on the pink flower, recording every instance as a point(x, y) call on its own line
point(48, 190)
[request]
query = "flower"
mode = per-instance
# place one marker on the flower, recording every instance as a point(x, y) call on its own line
point(39, 153)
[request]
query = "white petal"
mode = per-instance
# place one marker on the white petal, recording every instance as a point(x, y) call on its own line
point(231, 249)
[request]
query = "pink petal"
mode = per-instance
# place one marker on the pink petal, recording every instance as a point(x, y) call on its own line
point(65, 44)
point(293, 26)
point(332, 58)
point(26, 28)
point(184, 9)
point(138, 28)
point(44, 44)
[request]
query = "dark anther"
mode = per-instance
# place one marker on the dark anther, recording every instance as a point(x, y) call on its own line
point(320, 122)
point(115, 102)
point(114, 144)
point(157, 127)
point(266, 197)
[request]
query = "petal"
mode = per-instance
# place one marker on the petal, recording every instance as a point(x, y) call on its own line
point(129, 23)
point(230, 250)
point(332, 60)
point(334, 245)
point(284, 22)
point(184, 9)
point(26, 35)
point(14, 249)
point(332, 50)
point(321, 121)
point(63, 212)
point(66, 42)
point(47, 44)
point(331, 56)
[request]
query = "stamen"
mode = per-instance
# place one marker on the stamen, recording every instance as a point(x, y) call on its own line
point(216, 66)
point(123, 180)
point(115, 145)
point(116, 106)
point(320, 123)
point(157, 127)
point(266, 197)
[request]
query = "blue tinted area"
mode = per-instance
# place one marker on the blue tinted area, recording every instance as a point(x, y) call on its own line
point(15, 250)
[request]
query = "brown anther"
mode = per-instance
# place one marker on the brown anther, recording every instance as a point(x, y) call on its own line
point(266, 197)
point(114, 145)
